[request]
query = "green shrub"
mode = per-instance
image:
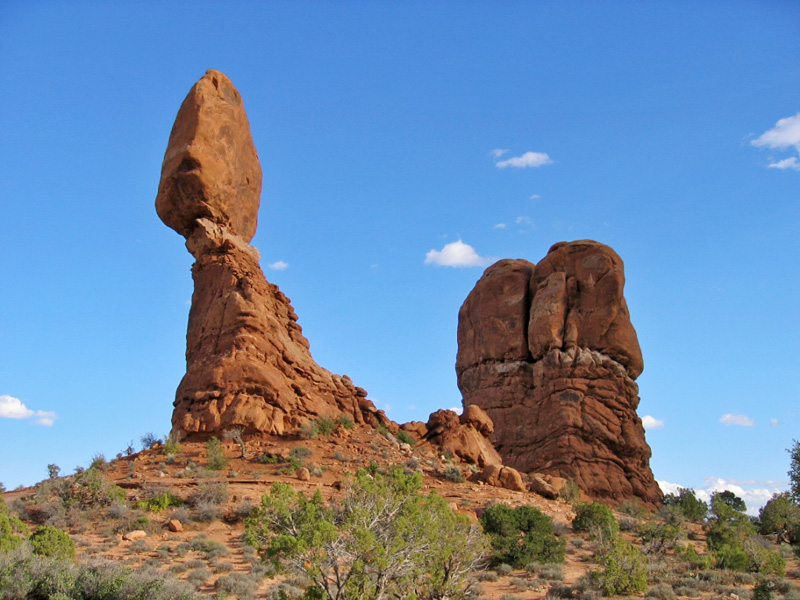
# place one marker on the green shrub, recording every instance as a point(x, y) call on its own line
point(53, 470)
point(405, 438)
point(345, 422)
point(85, 490)
point(324, 426)
point(215, 455)
point(10, 526)
point(633, 507)
point(595, 518)
point(732, 557)
point(570, 492)
point(521, 535)
point(453, 473)
point(384, 539)
point(51, 541)
point(172, 443)
point(625, 568)
point(658, 538)
point(690, 506)
point(159, 501)
point(98, 462)
point(695, 560)
point(780, 516)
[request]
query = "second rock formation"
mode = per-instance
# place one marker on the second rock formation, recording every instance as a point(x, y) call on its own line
point(549, 352)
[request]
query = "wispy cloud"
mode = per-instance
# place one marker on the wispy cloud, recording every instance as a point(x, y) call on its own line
point(650, 422)
point(534, 197)
point(523, 221)
point(741, 420)
point(527, 160)
point(456, 409)
point(500, 226)
point(456, 254)
point(786, 163)
point(498, 152)
point(14, 408)
point(785, 134)
point(774, 422)
point(278, 266)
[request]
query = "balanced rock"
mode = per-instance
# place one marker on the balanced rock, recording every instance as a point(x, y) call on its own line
point(549, 352)
point(248, 363)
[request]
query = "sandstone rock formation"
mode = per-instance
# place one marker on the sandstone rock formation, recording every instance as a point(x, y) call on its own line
point(465, 436)
point(549, 352)
point(248, 363)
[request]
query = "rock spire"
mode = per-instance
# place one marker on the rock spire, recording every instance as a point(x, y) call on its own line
point(247, 362)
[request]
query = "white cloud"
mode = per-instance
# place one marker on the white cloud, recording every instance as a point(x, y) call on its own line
point(523, 221)
point(278, 265)
point(534, 197)
point(498, 152)
point(14, 408)
point(786, 163)
point(456, 254)
point(500, 226)
point(456, 409)
point(754, 493)
point(741, 420)
point(774, 422)
point(529, 159)
point(785, 133)
point(650, 422)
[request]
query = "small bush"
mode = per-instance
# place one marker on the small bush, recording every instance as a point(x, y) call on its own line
point(633, 507)
point(625, 568)
point(53, 470)
point(453, 473)
point(159, 502)
point(215, 455)
point(148, 440)
point(690, 506)
point(405, 438)
point(51, 541)
point(595, 518)
point(658, 538)
point(10, 526)
point(345, 422)
point(98, 462)
point(521, 535)
point(211, 493)
point(172, 443)
point(324, 426)
point(570, 492)
point(299, 453)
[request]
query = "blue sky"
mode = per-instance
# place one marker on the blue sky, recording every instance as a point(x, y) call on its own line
point(395, 137)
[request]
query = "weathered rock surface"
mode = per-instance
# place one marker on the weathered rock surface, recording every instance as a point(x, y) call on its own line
point(503, 477)
point(248, 363)
point(461, 437)
point(549, 352)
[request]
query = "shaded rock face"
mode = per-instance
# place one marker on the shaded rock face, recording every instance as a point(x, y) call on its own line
point(248, 363)
point(549, 352)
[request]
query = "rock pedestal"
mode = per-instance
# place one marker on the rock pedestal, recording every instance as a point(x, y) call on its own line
point(549, 352)
point(247, 362)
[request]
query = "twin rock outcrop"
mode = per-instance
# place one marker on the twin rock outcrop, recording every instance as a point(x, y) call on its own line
point(547, 351)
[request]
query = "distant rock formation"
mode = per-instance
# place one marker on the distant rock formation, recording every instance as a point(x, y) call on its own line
point(248, 363)
point(549, 352)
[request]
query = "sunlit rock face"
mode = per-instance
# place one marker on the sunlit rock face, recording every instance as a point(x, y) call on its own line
point(247, 362)
point(549, 352)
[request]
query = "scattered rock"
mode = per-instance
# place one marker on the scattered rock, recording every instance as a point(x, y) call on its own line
point(549, 352)
point(303, 474)
point(132, 536)
point(447, 431)
point(174, 525)
point(500, 476)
